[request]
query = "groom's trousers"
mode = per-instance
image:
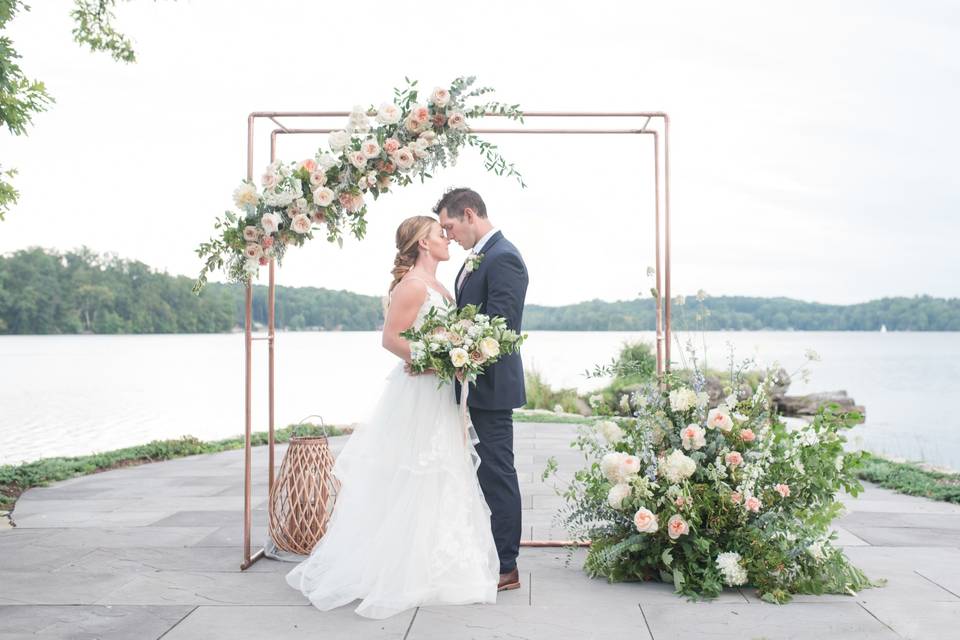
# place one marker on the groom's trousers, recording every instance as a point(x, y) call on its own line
point(498, 479)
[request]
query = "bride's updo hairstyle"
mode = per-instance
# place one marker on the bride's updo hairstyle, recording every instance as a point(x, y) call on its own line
point(409, 234)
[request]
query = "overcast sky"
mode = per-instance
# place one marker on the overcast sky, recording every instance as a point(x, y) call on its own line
point(814, 149)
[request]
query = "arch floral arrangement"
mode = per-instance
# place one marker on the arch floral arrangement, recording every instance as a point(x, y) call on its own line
point(706, 498)
point(408, 139)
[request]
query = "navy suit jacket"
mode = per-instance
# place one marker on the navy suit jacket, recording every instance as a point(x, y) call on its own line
point(499, 287)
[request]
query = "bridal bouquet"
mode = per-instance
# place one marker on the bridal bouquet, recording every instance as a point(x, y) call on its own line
point(706, 497)
point(459, 343)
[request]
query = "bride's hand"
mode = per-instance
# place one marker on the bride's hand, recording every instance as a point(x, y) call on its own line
point(410, 371)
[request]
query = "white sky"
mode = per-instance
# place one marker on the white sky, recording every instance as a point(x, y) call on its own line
point(813, 151)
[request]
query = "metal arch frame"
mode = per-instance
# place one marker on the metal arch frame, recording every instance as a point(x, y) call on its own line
point(662, 304)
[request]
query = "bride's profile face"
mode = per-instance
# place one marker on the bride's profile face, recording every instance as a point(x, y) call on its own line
point(437, 244)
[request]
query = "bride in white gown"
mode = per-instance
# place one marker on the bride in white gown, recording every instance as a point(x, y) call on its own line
point(410, 526)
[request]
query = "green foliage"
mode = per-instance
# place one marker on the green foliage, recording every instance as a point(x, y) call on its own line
point(21, 98)
point(541, 396)
point(911, 479)
point(15, 479)
point(94, 28)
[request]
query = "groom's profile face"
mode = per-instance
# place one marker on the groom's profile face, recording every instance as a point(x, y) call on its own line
point(460, 230)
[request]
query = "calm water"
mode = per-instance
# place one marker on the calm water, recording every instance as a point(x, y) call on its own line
point(65, 395)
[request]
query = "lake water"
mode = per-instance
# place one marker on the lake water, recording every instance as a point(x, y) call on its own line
point(70, 395)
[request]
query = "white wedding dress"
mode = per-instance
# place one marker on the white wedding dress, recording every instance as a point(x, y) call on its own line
point(410, 526)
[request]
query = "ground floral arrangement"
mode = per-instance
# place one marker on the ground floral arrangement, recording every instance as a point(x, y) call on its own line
point(328, 194)
point(710, 497)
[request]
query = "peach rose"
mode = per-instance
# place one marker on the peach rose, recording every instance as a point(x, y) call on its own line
point(736, 497)
point(420, 114)
point(734, 458)
point(404, 158)
point(391, 145)
point(253, 251)
point(457, 120)
point(677, 526)
point(783, 490)
point(747, 435)
point(267, 242)
point(300, 223)
point(309, 164)
point(358, 159)
point(322, 197)
point(753, 504)
point(370, 148)
point(645, 521)
point(318, 178)
point(440, 97)
point(251, 233)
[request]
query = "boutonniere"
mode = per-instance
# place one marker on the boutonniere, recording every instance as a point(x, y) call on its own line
point(472, 262)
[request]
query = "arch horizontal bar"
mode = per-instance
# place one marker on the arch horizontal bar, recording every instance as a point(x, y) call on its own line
point(521, 131)
point(526, 114)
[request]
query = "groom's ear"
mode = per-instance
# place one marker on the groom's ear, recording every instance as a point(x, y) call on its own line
point(469, 215)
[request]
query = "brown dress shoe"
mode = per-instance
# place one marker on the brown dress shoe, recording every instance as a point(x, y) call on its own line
point(509, 581)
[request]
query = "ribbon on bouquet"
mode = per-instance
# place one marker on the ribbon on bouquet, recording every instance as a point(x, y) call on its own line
point(464, 411)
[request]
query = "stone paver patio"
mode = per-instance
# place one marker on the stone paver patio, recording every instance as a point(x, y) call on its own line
point(154, 552)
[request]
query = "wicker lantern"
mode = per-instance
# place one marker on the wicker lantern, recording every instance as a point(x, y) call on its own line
point(303, 495)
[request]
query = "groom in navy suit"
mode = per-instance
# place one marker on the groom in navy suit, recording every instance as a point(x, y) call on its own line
point(494, 278)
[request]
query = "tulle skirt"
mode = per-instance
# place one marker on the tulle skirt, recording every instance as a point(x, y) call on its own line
point(410, 526)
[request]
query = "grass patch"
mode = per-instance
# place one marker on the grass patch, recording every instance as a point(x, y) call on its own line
point(526, 415)
point(911, 479)
point(15, 479)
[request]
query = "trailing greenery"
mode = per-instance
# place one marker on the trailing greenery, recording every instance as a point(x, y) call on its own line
point(15, 479)
point(911, 479)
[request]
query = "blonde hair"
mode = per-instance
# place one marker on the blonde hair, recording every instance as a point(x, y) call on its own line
point(409, 234)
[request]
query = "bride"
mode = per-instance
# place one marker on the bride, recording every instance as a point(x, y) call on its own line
point(410, 526)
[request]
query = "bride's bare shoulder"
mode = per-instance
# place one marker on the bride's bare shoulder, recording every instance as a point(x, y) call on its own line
point(409, 291)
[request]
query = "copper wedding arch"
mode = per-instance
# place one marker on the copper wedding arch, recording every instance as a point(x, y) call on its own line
point(629, 123)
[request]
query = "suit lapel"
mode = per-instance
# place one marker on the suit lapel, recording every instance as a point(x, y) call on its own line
point(486, 248)
point(456, 289)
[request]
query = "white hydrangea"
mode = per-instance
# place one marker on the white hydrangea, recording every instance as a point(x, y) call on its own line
point(733, 572)
point(617, 494)
point(682, 399)
point(677, 467)
point(610, 431)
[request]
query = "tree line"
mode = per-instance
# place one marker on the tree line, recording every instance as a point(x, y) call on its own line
point(49, 292)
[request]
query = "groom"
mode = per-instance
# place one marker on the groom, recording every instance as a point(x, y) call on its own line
point(494, 278)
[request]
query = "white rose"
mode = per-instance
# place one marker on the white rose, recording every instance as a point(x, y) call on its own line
point(251, 267)
point(318, 178)
point(404, 158)
point(322, 197)
point(370, 148)
point(339, 140)
point(719, 418)
point(645, 521)
point(682, 399)
point(325, 161)
point(300, 223)
point(610, 465)
point(270, 223)
point(490, 347)
point(245, 195)
point(459, 357)
point(440, 97)
point(677, 467)
point(629, 466)
point(617, 494)
point(388, 113)
point(358, 159)
point(457, 120)
point(359, 122)
point(610, 431)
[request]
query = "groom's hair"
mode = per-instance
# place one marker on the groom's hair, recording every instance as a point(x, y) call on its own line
point(456, 200)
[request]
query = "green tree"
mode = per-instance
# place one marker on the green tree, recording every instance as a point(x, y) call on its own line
point(21, 97)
